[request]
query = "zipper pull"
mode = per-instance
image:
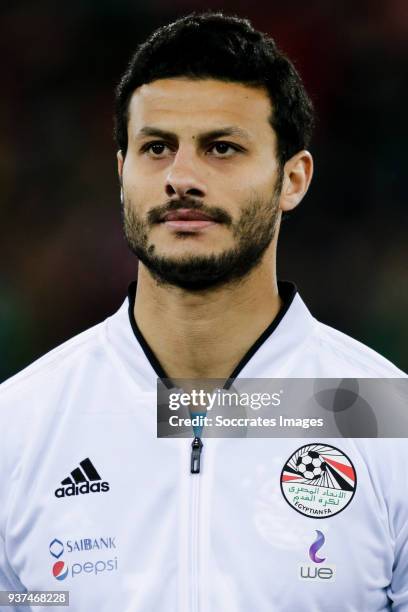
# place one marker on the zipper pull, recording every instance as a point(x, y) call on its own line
point(196, 447)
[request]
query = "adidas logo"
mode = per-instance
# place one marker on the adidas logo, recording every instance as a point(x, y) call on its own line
point(82, 481)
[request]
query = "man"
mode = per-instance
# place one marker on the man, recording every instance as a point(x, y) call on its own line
point(213, 124)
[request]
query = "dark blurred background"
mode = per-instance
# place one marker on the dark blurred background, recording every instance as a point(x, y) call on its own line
point(64, 264)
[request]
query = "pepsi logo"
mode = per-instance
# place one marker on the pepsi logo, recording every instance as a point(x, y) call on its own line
point(60, 570)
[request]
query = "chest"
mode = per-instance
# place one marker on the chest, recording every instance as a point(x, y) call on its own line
point(113, 514)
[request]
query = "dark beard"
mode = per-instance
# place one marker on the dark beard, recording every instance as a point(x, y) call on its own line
point(253, 233)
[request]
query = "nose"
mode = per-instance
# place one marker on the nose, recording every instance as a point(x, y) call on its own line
point(182, 179)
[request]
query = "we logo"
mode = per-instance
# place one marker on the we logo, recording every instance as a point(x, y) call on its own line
point(315, 572)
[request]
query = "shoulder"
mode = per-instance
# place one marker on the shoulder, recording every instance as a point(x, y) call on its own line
point(51, 367)
point(32, 403)
point(350, 355)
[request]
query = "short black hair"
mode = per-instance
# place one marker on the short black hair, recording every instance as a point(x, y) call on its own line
point(228, 48)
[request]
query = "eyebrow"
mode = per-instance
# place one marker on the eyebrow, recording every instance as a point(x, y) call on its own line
point(204, 137)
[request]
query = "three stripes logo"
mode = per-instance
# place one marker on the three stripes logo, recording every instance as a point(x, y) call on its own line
point(84, 479)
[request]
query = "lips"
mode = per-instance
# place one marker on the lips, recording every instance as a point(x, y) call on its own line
point(188, 220)
point(186, 214)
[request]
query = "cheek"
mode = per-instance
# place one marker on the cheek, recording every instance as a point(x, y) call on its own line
point(256, 178)
point(139, 167)
point(142, 191)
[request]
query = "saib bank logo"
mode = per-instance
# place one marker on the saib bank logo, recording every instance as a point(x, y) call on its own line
point(317, 572)
point(83, 567)
point(56, 548)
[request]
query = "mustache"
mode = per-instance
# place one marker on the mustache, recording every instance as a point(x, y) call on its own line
point(156, 214)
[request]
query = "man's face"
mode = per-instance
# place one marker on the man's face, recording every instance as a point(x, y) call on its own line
point(201, 180)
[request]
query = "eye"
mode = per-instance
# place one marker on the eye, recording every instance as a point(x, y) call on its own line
point(223, 149)
point(155, 149)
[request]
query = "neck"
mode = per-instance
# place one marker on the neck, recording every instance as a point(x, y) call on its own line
point(205, 334)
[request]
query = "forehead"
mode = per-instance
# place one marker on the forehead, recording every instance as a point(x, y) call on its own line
point(199, 104)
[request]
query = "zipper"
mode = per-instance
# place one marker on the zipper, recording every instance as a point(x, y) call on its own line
point(195, 460)
point(196, 448)
point(194, 545)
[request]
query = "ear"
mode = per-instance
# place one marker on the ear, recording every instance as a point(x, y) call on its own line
point(119, 156)
point(297, 174)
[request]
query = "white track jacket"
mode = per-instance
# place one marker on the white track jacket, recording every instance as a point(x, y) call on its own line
point(93, 503)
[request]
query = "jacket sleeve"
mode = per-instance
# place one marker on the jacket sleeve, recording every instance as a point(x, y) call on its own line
point(9, 581)
point(398, 589)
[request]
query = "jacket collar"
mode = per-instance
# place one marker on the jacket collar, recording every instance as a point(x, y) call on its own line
point(265, 358)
